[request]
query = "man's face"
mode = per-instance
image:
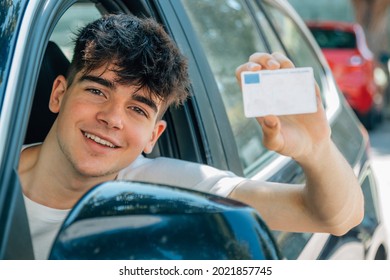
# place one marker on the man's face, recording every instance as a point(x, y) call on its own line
point(102, 126)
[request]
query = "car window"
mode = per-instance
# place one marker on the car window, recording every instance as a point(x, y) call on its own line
point(270, 34)
point(217, 24)
point(297, 46)
point(371, 212)
point(334, 39)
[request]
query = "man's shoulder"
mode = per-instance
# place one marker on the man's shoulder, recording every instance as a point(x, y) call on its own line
point(169, 166)
point(142, 162)
point(180, 173)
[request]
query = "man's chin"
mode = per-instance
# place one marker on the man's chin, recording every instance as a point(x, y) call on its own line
point(93, 172)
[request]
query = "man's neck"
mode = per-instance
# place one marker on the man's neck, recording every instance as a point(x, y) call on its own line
point(52, 183)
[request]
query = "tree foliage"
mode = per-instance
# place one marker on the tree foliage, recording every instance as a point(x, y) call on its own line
point(373, 15)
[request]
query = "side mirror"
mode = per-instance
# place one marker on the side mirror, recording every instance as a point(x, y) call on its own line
point(133, 220)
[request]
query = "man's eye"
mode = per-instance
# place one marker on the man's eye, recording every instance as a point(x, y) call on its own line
point(138, 110)
point(95, 91)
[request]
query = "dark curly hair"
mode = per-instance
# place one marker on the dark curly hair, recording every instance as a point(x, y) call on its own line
point(142, 53)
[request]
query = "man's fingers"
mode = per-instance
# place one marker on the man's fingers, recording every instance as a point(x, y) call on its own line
point(283, 60)
point(266, 60)
point(259, 61)
point(249, 66)
point(272, 61)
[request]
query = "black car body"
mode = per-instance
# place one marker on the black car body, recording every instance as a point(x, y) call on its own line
point(210, 128)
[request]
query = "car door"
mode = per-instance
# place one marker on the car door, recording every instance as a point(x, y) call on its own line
point(214, 28)
point(222, 35)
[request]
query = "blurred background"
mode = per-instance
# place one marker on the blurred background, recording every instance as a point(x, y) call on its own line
point(354, 36)
point(372, 45)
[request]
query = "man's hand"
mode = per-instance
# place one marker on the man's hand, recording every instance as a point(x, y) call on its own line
point(331, 199)
point(296, 136)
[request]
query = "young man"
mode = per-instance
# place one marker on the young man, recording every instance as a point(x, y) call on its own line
point(124, 75)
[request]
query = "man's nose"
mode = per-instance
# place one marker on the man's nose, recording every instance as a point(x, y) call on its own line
point(111, 115)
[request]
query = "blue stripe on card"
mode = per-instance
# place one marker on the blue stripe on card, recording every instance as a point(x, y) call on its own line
point(252, 78)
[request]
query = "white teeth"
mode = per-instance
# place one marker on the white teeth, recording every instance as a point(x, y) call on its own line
point(99, 140)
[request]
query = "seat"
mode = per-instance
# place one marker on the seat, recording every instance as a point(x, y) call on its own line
point(41, 118)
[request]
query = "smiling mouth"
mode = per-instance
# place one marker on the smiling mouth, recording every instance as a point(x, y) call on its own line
point(99, 140)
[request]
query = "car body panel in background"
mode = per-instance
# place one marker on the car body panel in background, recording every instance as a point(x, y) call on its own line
point(353, 65)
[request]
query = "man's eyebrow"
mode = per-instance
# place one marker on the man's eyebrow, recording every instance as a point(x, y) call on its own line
point(146, 101)
point(109, 84)
point(99, 80)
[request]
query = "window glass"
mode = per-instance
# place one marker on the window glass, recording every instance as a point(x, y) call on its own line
point(291, 244)
point(334, 39)
point(370, 202)
point(296, 44)
point(229, 36)
point(269, 33)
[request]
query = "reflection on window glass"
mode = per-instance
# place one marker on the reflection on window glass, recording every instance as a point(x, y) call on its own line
point(291, 244)
point(269, 33)
point(296, 44)
point(229, 36)
point(371, 215)
point(334, 39)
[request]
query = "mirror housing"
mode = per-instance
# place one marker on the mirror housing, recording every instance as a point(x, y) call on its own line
point(134, 220)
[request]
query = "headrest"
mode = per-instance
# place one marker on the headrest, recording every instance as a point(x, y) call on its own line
point(41, 118)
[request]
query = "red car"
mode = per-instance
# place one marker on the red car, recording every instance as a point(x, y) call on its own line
point(352, 63)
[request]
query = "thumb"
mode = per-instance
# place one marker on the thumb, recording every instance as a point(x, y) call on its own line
point(272, 138)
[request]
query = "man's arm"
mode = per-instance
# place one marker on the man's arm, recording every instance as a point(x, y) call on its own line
point(331, 200)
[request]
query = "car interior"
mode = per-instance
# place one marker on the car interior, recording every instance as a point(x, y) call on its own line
point(41, 118)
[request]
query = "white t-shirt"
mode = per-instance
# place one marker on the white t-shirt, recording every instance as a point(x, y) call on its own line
point(45, 222)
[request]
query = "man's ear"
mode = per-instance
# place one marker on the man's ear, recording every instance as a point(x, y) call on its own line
point(158, 130)
point(57, 93)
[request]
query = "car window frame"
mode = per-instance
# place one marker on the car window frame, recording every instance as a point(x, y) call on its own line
point(330, 93)
point(216, 136)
